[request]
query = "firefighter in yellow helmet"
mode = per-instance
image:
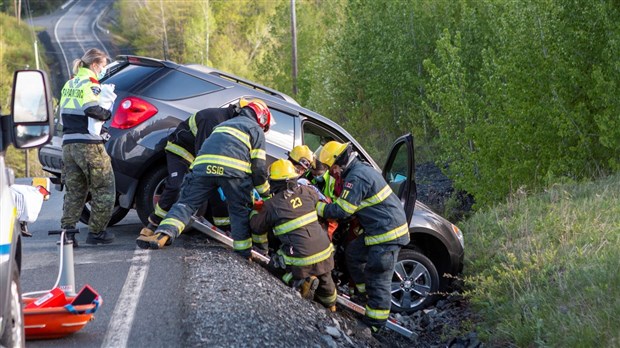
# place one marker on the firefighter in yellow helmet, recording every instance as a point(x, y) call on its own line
point(302, 157)
point(305, 251)
point(372, 255)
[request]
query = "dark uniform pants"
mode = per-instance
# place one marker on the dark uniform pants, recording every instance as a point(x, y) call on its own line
point(373, 266)
point(197, 189)
point(177, 168)
point(87, 168)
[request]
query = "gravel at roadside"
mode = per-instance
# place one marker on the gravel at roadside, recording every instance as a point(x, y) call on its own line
point(230, 302)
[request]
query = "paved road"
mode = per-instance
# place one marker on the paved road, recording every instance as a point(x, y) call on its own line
point(128, 279)
point(74, 28)
point(147, 280)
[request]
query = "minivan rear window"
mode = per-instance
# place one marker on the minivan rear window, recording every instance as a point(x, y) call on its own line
point(177, 85)
point(130, 77)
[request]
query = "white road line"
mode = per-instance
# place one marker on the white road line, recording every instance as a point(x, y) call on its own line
point(62, 51)
point(77, 21)
point(121, 320)
point(92, 29)
point(66, 4)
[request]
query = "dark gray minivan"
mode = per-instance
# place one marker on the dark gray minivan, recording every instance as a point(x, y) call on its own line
point(153, 96)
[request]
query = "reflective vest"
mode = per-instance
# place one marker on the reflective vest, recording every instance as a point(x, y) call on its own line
point(236, 149)
point(80, 100)
point(327, 185)
point(366, 194)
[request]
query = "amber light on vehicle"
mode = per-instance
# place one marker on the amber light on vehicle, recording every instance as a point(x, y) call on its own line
point(131, 112)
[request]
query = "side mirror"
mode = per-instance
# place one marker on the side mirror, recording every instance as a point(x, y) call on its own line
point(32, 113)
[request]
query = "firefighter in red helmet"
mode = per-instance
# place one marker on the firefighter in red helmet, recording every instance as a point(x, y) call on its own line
point(233, 159)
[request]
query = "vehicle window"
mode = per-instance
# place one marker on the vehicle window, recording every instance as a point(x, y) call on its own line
point(315, 135)
point(130, 77)
point(178, 85)
point(396, 175)
point(282, 130)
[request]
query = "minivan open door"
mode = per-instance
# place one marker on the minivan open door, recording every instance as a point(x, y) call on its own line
point(399, 172)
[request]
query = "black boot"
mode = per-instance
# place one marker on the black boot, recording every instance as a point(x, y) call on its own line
point(103, 237)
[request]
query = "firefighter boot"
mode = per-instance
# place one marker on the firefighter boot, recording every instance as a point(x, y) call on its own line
point(155, 241)
point(148, 230)
point(308, 287)
point(159, 240)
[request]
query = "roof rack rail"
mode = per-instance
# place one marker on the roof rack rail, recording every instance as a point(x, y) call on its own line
point(246, 83)
point(146, 61)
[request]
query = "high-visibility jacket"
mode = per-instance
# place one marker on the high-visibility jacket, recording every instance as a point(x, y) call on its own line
point(80, 100)
point(189, 135)
point(292, 216)
point(366, 194)
point(235, 149)
point(326, 186)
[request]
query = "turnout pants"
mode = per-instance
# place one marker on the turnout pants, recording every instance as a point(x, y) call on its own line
point(177, 169)
point(372, 268)
point(196, 189)
point(87, 168)
point(326, 292)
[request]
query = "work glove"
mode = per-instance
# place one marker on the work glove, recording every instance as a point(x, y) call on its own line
point(277, 261)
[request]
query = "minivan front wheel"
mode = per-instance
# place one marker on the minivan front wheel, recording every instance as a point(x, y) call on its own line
point(415, 282)
point(151, 187)
point(13, 335)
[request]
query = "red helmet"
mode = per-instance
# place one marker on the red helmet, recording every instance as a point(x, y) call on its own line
point(263, 115)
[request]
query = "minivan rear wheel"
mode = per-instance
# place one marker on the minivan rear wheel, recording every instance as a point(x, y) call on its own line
point(152, 185)
point(415, 282)
point(118, 213)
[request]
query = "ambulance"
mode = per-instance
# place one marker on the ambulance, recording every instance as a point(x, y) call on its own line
point(29, 125)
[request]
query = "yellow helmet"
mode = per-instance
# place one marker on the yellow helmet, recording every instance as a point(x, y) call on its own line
point(331, 151)
point(303, 155)
point(282, 169)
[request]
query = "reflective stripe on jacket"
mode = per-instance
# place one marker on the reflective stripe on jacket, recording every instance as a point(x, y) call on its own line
point(366, 194)
point(236, 148)
point(189, 135)
point(80, 100)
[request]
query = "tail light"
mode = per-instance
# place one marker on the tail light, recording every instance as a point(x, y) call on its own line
point(131, 112)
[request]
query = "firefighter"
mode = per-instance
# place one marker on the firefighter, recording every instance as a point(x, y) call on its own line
point(304, 161)
point(305, 251)
point(233, 159)
point(302, 157)
point(182, 145)
point(371, 256)
point(86, 164)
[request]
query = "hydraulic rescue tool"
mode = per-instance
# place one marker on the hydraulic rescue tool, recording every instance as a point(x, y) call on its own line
point(206, 227)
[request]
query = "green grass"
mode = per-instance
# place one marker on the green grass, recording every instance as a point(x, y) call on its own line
point(545, 270)
point(16, 160)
